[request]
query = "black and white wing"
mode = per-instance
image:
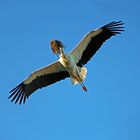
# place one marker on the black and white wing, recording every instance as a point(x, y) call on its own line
point(41, 78)
point(93, 41)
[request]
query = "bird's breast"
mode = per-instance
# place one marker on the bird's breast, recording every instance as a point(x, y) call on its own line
point(64, 60)
point(69, 64)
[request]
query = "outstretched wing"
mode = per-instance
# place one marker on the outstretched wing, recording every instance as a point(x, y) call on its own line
point(93, 41)
point(41, 78)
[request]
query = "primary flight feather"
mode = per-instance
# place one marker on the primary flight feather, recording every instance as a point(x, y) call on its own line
point(69, 65)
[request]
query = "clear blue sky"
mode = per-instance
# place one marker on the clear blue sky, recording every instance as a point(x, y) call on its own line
point(110, 110)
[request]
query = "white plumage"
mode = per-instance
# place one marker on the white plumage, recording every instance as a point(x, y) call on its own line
point(69, 65)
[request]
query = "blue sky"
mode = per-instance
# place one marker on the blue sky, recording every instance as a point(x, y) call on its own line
point(110, 110)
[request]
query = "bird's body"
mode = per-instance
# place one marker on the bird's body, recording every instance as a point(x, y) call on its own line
point(68, 62)
point(74, 71)
point(69, 65)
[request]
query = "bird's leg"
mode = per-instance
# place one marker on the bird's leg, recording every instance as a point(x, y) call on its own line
point(83, 86)
point(81, 83)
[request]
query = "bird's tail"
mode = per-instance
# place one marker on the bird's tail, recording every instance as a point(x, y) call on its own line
point(82, 74)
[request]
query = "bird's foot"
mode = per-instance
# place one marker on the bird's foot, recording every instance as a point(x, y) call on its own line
point(84, 88)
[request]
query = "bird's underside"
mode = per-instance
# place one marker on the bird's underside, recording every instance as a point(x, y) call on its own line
point(69, 65)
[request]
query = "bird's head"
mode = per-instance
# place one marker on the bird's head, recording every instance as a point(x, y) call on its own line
point(57, 47)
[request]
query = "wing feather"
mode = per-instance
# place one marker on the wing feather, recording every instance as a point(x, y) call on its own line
point(91, 42)
point(41, 78)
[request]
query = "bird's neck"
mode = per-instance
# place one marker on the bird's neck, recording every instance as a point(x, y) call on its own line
point(62, 54)
point(63, 59)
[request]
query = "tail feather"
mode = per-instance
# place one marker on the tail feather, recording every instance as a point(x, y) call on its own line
point(82, 74)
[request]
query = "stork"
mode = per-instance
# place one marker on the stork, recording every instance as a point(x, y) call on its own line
point(69, 65)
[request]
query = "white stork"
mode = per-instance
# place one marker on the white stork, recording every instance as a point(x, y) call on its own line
point(69, 65)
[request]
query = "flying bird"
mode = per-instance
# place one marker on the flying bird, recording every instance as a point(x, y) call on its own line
point(69, 65)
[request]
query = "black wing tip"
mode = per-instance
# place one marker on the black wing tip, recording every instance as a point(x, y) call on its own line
point(115, 23)
point(115, 27)
point(18, 94)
